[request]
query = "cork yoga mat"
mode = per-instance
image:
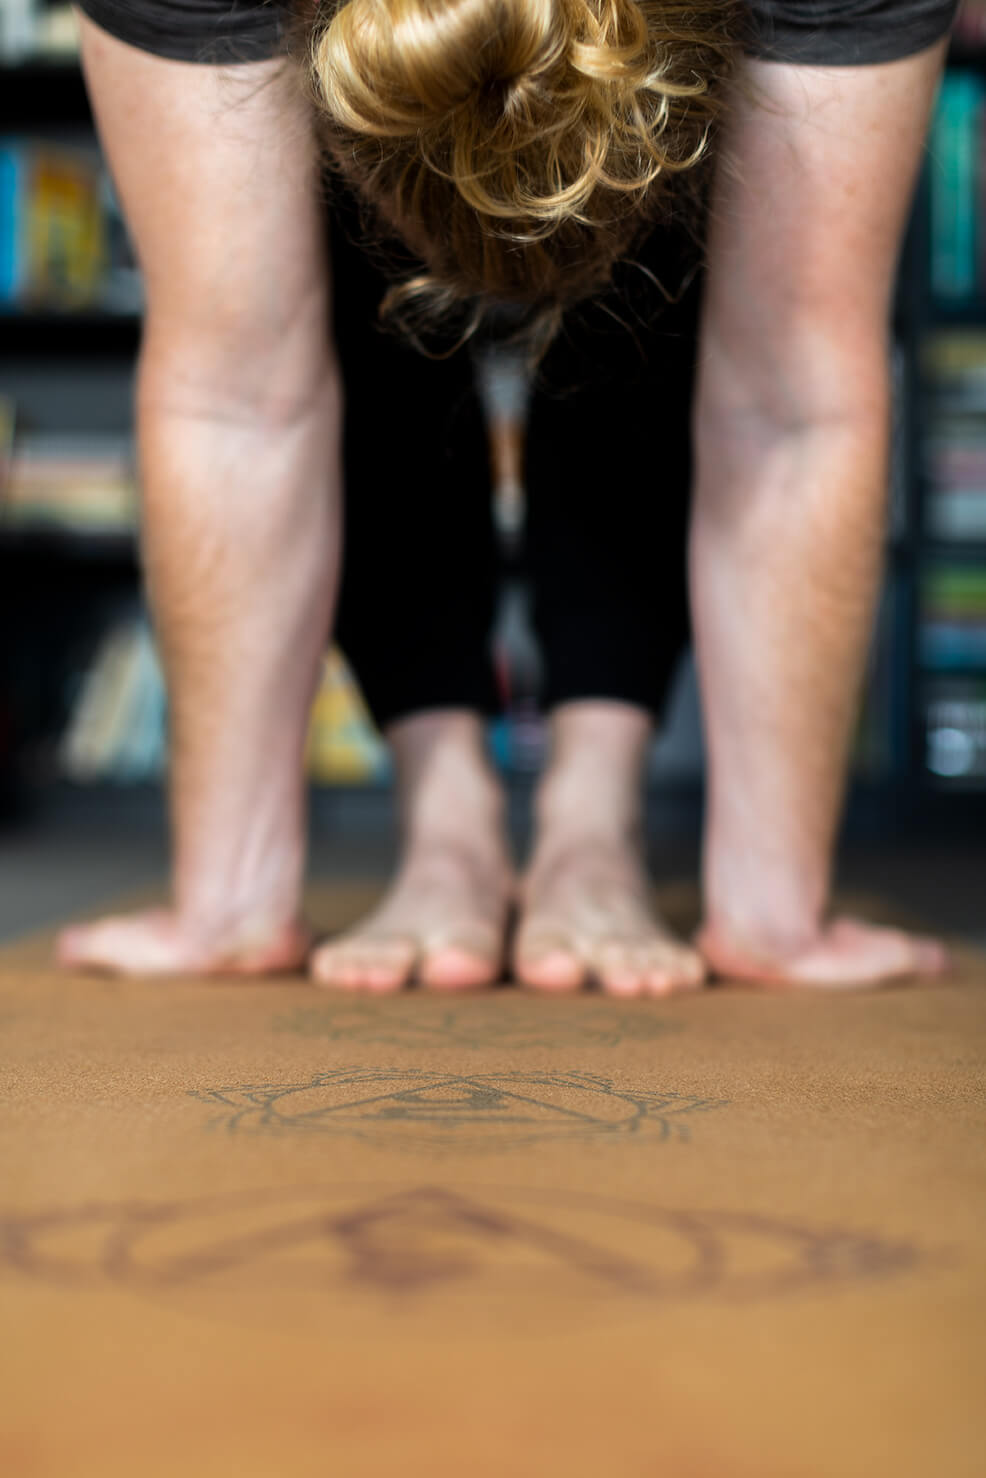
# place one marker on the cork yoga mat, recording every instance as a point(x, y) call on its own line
point(261, 1230)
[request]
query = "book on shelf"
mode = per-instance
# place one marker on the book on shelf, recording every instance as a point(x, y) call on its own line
point(37, 30)
point(955, 465)
point(952, 631)
point(955, 729)
point(953, 362)
point(954, 452)
point(81, 484)
point(117, 729)
point(63, 243)
point(958, 187)
point(344, 747)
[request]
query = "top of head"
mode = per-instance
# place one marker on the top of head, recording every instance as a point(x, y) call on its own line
point(517, 122)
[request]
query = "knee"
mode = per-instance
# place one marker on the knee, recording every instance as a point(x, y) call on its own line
point(811, 372)
point(205, 356)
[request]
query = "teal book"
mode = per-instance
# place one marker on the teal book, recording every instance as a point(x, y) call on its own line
point(13, 178)
point(954, 170)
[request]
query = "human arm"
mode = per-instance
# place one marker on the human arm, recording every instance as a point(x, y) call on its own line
point(238, 410)
point(792, 419)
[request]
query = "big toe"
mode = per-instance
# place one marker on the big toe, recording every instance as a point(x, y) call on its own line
point(547, 959)
point(461, 959)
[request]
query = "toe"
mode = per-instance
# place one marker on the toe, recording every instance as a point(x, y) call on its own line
point(930, 956)
point(621, 968)
point(71, 946)
point(654, 967)
point(547, 960)
point(382, 965)
point(854, 955)
point(674, 969)
point(135, 946)
point(330, 967)
point(558, 970)
point(452, 967)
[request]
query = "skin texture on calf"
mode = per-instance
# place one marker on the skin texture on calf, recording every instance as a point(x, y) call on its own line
point(239, 411)
point(239, 407)
point(792, 423)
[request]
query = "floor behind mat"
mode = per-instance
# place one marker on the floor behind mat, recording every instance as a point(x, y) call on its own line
point(262, 1230)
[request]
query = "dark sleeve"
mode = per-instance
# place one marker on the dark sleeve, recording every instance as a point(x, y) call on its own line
point(845, 33)
point(210, 31)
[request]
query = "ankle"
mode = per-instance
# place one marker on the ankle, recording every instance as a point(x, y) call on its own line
point(765, 914)
point(592, 788)
point(581, 805)
point(455, 809)
point(445, 782)
point(766, 881)
point(257, 892)
point(437, 860)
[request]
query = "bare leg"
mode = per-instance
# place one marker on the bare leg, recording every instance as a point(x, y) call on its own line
point(239, 418)
point(789, 506)
point(588, 910)
point(444, 917)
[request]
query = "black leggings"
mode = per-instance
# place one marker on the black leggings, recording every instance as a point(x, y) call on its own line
point(608, 473)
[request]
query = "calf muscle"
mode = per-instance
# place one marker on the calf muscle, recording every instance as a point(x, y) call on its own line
point(239, 441)
point(792, 470)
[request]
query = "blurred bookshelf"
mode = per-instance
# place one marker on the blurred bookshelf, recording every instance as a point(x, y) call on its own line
point(947, 700)
point(81, 694)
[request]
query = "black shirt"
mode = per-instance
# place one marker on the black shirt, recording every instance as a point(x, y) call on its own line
point(810, 32)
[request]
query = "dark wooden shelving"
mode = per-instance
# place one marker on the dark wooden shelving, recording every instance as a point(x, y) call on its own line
point(970, 551)
point(87, 334)
point(43, 95)
point(970, 313)
point(958, 669)
point(52, 546)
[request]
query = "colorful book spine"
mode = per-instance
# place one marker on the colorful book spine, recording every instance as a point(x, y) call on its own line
point(953, 617)
point(12, 195)
point(955, 730)
point(343, 747)
point(53, 228)
point(954, 186)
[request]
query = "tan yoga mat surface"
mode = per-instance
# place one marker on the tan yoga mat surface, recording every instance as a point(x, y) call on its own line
point(259, 1230)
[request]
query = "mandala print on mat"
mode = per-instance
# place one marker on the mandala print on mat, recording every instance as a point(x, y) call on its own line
point(417, 1107)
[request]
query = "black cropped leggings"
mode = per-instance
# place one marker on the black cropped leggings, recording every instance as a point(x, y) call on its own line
point(608, 473)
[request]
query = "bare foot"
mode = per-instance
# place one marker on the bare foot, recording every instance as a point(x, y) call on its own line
point(845, 954)
point(443, 921)
point(588, 912)
point(160, 942)
point(588, 915)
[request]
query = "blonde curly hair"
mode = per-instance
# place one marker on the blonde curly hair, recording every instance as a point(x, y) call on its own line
point(519, 147)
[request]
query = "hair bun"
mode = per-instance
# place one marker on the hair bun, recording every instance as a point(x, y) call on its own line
point(486, 130)
point(388, 66)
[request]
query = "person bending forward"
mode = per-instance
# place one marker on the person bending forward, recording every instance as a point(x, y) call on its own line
point(240, 416)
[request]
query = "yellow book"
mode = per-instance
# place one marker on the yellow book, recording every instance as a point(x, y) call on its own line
point(66, 234)
point(344, 748)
